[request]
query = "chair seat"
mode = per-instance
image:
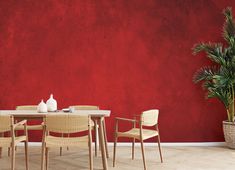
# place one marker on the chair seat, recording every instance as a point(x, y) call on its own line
point(135, 133)
point(52, 141)
point(6, 141)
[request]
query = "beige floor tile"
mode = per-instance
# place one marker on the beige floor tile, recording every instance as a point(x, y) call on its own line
point(175, 158)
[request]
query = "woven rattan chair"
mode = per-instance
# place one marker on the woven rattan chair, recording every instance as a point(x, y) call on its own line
point(92, 107)
point(29, 127)
point(66, 124)
point(7, 125)
point(147, 118)
point(30, 107)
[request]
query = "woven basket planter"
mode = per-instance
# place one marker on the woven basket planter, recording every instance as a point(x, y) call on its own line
point(229, 134)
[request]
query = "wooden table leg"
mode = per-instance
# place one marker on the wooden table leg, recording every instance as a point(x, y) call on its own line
point(96, 136)
point(102, 144)
point(105, 139)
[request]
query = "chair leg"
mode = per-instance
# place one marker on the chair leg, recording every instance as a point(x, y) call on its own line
point(159, 147)
point(91, 157)
point(26, 155)
point(67, 146)
point(61, 151)
point(133, 149)
point(43, 157)
point(105, 139)
point(9, 152)
point(47, 158)
point(96, 141)
point(9, 148)
point(114, 149)
point(1, 147)
point(13, 157)
point(0, 152)
point(16, 134)
point(90, 152)
point(143, 154)
point(62, 135)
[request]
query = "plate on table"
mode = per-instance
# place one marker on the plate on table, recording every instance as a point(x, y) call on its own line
point(66, 110)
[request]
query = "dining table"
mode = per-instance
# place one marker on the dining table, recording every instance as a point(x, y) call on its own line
point(96, 115)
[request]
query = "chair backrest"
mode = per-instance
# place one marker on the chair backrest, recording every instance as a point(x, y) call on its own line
point(27, 107)
point(5, 123)
point(150, 117)
point(85, 107)
point(67, 123)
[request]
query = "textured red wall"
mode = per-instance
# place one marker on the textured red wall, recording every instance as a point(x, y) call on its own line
point(127, 56)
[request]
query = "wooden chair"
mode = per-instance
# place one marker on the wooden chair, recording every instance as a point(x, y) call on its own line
point(92, 107)
point(30, 107)
point(29, 127)
point(66, 124)
point(7, 125)
point(147, 118)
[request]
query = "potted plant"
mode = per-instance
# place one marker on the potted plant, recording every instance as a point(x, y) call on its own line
point(219, 80)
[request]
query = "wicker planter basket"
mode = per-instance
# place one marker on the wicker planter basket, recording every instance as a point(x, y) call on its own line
point(229, 134)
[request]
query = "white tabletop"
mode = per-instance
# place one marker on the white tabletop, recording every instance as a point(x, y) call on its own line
point(105, 113)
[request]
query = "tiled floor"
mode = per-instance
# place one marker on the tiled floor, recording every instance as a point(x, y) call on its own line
point(175, 158)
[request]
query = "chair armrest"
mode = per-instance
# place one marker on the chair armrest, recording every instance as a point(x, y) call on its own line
point(133, 121)
point(23, 122)
point(43, 125)
point(125, 119)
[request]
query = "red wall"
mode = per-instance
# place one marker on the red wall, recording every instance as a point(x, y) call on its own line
point(127, 56)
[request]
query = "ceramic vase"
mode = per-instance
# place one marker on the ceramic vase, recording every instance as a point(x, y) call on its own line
point(42, 107)
point(51, 104)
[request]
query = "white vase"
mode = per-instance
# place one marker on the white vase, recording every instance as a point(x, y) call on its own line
point(42, 107)
point(51, 104)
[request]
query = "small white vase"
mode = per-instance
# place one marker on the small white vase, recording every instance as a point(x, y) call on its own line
point(42, 107)
point(51, 104)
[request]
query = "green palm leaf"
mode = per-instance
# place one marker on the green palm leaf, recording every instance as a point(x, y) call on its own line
point(219, 80)
point(229, 26)
point(213, 51)
point(205, 73)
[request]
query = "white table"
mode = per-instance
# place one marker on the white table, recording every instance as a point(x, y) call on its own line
point(95, 115)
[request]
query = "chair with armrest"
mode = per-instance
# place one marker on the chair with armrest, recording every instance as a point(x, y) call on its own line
point(7, 125)
point(29, 127)
point(147, 119)
point(92, 107)
point(30, 107)
point(32, 127)
point(66, 124)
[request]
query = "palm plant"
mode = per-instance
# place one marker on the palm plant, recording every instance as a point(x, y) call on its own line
point(219, 80)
